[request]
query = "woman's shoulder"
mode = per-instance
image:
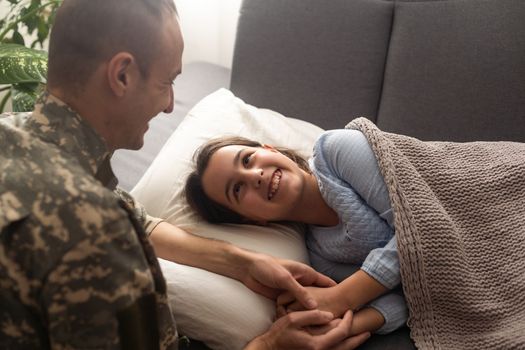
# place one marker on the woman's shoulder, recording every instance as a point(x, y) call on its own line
point(333, 146)
point(340, 139)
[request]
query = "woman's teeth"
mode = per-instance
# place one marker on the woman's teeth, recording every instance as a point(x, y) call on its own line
point(274, 183)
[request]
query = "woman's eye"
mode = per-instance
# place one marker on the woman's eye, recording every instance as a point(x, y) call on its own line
point(246, 160)
point(236, 190)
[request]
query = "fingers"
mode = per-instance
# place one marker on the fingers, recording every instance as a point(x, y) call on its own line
point(280, 311)
point(309, 318)
point(324, 281)
point(296, 292)
point(295, 306)
point(307, 276)
point(353, 342)
point(319, 330)
point(337, 334)
point(301, 275)
point(323, 330)
point(268, 292)
point(285, 299)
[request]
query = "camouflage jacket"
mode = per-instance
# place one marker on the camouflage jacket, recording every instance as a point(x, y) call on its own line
point(76, 268)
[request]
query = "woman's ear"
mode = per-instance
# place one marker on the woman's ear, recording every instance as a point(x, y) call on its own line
point(120, 72)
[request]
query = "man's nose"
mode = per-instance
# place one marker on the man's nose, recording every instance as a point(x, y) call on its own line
point(169, 109)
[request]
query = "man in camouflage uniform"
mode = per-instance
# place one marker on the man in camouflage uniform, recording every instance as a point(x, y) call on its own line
point(76, 267)
point(69, 244)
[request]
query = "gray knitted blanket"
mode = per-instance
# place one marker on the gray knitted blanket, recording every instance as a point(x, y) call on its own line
point(460, 225)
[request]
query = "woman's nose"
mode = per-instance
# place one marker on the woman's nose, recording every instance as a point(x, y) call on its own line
point(255, 177)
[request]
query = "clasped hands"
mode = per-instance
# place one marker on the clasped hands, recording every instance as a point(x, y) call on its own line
point(307, 325)
point(327, 298)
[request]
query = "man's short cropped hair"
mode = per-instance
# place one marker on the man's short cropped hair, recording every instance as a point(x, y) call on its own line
point(89, 32)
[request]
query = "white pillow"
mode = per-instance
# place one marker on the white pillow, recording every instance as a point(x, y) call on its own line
point(214, 309)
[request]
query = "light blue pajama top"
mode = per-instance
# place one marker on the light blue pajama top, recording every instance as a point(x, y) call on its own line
point(351, 183)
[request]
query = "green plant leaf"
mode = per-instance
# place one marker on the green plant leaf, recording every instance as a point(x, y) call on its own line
point(19, 64)
point(43, 30)
point(18, 38)
point(26, 87)
point(23, 98)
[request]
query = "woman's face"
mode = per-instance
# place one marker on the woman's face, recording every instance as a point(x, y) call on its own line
point(259, 183)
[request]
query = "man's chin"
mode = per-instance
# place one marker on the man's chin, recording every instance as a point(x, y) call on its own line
point(138, 145)
point(135, 146)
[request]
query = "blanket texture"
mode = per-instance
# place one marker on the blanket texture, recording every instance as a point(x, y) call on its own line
point(460, 226)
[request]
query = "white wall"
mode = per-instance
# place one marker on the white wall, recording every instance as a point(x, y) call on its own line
point(209, 28)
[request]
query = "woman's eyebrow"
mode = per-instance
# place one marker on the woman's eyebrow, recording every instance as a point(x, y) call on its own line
point(237, 157)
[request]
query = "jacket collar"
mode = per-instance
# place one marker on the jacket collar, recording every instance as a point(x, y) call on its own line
point(55, 122)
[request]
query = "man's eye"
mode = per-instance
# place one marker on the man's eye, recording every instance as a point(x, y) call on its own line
point(246, 160)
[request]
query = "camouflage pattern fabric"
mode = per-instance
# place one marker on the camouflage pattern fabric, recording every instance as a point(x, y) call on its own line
point(75, 261)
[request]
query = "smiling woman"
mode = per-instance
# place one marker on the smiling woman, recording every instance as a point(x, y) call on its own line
point(341, 195)
point(248, 186)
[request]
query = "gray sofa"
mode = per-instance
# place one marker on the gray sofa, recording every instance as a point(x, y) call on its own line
point(435, 69)
point(442, 70)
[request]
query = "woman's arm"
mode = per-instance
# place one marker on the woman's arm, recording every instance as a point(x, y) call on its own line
point(367, 319)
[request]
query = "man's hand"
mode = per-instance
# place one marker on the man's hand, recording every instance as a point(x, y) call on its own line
point(270, 277)
point(350, 294)
point(312, 329)
point(328, 299)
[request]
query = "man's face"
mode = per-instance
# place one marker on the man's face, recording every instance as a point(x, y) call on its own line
point(154, 94)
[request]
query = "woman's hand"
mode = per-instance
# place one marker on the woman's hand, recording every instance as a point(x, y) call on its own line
point(350, 294)
point(312, 329)
point(270, 277)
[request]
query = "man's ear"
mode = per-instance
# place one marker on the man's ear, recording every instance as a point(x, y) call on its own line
point(121, 72)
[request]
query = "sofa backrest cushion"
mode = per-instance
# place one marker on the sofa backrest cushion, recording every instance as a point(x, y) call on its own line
point(433, 69)
point(456, 71)
point(317, 60)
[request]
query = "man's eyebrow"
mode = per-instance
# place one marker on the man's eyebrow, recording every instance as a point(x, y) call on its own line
point(229, 183)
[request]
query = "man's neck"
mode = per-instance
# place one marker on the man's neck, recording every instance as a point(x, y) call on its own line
point(83, 104)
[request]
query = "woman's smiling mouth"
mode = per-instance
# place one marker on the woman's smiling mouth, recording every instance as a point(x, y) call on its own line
point(273, 186)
